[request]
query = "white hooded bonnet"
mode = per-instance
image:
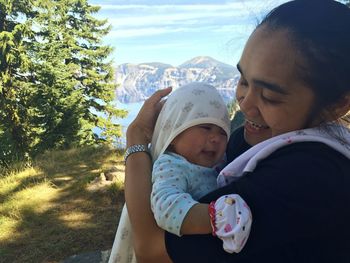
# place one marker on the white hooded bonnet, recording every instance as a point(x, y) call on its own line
point(192, 104)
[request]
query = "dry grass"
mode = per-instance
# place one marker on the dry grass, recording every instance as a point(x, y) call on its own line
point(48, 213)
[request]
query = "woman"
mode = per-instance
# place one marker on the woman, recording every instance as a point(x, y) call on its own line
point(294, 75)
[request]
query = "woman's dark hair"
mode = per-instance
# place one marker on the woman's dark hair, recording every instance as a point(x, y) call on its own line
point(320, 31)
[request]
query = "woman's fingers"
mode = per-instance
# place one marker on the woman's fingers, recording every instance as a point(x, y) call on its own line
point(155, 103)
point(150, 109)
point(158, 95)
point(143, 125)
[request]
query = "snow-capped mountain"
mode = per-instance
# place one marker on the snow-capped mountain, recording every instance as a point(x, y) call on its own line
point(138, 82)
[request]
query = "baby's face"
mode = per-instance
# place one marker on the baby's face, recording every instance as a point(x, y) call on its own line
point(203, 144)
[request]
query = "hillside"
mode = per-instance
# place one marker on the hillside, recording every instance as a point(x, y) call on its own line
point(136, 82)
point(59, 206)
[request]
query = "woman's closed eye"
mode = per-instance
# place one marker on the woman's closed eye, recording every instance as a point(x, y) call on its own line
point(270, 100)
point(242, 82)
point(271, 93)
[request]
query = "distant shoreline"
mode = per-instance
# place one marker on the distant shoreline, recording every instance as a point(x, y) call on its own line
point(133, 109)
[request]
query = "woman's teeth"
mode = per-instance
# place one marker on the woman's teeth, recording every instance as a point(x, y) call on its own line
point(257, 126)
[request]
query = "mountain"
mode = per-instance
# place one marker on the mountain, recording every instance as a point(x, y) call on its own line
point(136, 82)
point(205, 62)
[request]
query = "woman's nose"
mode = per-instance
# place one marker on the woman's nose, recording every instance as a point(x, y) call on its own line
point(248, 104)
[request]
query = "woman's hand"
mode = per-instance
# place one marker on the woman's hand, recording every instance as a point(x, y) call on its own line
point(141, 128)
point(148, 238)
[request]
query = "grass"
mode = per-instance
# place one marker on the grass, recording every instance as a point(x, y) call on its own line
point(49, 211)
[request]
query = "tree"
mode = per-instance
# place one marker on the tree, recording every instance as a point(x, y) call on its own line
point(55, 79)
point(236, 116)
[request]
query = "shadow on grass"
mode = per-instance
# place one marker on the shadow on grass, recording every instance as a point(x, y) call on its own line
point(75, 221)
point(22, 184)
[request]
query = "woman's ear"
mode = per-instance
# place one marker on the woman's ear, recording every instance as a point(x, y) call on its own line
point(337, 111)
point(342, 108)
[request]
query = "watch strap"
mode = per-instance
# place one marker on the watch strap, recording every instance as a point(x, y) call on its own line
point(134, 149)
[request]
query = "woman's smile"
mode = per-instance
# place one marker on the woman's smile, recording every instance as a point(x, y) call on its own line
point(255, 126)
point(267, 95)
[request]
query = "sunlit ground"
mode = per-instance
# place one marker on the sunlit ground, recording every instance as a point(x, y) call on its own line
point(48, 213)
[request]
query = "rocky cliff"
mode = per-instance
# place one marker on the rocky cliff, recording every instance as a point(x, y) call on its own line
point(138, 82)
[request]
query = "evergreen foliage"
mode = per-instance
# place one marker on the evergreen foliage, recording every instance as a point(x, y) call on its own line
point(55, 77)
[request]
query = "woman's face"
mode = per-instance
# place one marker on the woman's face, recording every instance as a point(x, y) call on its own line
point(272, 97)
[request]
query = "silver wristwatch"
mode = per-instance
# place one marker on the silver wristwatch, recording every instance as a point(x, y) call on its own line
point(134, 149)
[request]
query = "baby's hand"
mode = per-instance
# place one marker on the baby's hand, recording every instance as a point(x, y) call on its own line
point(231, 221)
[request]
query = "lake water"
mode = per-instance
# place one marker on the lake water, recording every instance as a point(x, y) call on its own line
point(133, 109)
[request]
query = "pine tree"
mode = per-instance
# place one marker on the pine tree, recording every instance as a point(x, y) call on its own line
point(55, 81)
point(14, 63)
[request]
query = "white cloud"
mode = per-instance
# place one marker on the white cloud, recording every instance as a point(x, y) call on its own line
point(236, 9)
point(155, 20)
point(234, 28)
point(167, 46)
point(139, 25)
point(187, 5)
point(147, 31)
point(139, 20)
point(158, 2)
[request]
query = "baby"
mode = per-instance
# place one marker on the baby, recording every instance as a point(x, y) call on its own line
point(188, 150)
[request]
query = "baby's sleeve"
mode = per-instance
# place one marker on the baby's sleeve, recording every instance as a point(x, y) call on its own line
point(170, 201)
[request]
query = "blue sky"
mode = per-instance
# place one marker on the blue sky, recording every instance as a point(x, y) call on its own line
point(175, 31)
